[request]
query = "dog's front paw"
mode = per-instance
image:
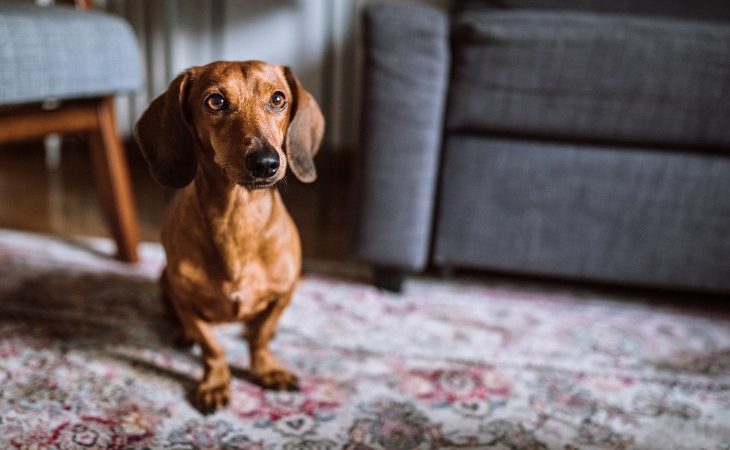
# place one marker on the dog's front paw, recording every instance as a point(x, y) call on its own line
point(214, 391)
point(208, 399)
point(278, 378)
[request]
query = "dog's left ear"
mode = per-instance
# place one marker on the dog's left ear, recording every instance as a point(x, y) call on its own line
point(306, 128)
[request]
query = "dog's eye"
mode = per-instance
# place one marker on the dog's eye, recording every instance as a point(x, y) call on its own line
point(277, 101)
point(215, 102)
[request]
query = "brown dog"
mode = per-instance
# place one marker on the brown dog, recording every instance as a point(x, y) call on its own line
point(225, 133)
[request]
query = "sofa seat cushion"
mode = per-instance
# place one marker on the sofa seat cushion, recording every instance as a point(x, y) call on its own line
point(627, 215)
point(61, 52)
point(595, 77)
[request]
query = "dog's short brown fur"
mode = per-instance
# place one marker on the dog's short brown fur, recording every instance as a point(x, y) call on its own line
point(233, 252)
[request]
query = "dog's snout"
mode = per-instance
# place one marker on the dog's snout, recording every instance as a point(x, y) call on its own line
point(262, 163)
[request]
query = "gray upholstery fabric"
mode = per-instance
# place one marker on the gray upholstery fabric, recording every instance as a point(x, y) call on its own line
point(593, 77)
point(59, 52)
point(710, 10)
point(579, 144)
point(626, 214)
point(406, 70)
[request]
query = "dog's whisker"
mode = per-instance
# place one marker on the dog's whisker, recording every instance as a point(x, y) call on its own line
point(284, 183)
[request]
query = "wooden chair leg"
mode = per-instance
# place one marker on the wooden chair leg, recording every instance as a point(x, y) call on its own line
point(112, 179)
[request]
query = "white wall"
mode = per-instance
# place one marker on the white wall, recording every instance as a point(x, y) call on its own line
point(318, 39)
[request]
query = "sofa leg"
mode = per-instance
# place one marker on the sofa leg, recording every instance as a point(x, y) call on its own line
point(389, 279)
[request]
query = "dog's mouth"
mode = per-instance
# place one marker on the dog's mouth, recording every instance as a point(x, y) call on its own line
point(259, 184)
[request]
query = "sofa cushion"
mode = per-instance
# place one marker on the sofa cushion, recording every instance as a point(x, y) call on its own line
point(60, 52)
point(596, 77)
point(628, 215)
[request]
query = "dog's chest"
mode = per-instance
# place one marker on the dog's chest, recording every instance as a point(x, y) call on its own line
point(257, 279)
point(232, 262)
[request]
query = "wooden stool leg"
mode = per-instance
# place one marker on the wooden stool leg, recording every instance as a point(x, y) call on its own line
point(112, 179)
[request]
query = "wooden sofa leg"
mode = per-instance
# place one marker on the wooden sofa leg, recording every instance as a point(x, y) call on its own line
point(112, 179)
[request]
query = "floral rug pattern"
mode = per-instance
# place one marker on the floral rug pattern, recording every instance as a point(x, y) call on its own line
point(85, 363)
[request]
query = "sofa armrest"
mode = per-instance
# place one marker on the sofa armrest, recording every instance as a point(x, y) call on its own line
point(405, 81)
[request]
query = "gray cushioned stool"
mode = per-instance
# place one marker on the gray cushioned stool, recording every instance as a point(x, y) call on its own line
point(81, 58)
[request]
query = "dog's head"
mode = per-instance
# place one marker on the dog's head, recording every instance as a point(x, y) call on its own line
point(250, 118)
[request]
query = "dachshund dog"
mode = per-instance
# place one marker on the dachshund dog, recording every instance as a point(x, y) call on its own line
point(225, 134)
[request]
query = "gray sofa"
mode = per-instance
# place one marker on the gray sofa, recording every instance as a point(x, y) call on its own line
point(577, 139)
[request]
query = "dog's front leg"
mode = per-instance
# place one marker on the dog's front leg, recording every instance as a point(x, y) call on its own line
point(268, 371)
point(214, 390)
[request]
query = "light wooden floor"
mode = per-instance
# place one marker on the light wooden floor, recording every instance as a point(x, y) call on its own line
point(64, 201)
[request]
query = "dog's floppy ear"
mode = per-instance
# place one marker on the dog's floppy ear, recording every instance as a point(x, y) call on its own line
point(306, 128)
point(166, 138)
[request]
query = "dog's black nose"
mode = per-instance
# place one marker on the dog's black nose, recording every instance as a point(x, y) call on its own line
point(262, 163)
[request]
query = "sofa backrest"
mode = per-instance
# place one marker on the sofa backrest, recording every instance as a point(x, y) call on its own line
point(712, 10)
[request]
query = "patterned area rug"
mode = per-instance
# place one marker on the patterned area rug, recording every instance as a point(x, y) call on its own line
point(84, 363)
